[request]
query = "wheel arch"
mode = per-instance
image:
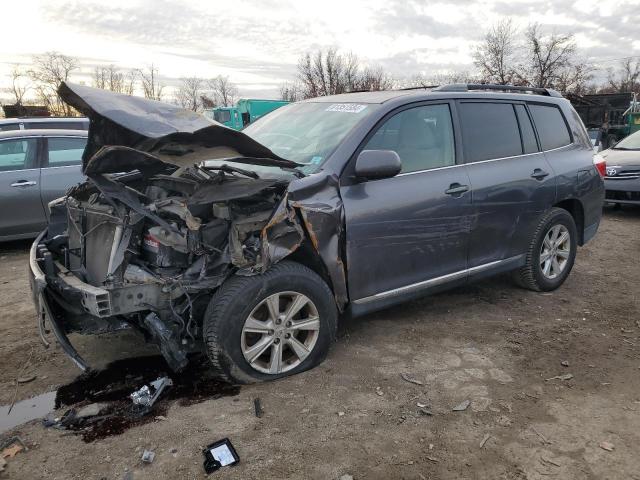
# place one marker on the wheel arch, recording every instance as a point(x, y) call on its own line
point(576, 210)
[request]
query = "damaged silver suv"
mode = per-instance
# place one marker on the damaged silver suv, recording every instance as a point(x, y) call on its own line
point(248, 245)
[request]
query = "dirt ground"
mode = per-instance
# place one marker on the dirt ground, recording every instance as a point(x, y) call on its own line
point(493, 344)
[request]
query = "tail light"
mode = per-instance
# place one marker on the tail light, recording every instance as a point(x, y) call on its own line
point(601, 164)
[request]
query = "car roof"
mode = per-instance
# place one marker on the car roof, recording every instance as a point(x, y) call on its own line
point(41, 132)
point(42, 119)
point(414, 95)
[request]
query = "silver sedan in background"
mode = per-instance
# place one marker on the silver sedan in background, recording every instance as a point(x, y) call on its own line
point(36, 166)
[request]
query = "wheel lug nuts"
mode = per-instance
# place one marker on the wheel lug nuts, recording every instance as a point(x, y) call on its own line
point(271, 332)
point(288, 324)
point(276, 340)
point(287, 335)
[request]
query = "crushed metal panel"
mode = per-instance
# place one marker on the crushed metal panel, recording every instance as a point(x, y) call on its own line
point(173, 134)
point(317, 197)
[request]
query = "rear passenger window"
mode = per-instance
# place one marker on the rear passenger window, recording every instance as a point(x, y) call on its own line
point(489, 130)
point(65, 151)
point(552, 129)
point(529, 143)
point(421, 136)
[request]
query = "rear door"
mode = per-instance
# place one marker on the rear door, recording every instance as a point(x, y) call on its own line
point(22, 213)
point(513, 184)
point(406, 232)
point(62, 166)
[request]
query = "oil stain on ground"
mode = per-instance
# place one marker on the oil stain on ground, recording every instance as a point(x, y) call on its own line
point(112, 386)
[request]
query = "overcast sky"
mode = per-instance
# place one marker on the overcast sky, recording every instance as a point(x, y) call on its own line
point(258, 42)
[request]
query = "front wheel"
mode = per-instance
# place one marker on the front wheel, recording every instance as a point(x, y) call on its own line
point(268, 326)
point(551, 252)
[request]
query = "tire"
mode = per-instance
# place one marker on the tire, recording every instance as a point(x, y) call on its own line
point(227, 317)
point(532, 275)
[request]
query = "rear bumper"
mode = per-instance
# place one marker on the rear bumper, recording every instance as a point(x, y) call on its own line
point(45, 317)
point(622, 191)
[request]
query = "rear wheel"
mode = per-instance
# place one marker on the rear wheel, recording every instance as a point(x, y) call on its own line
point(268, 326)
point(551, 252)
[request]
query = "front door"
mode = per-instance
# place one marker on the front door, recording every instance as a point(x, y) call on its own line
point(22, 213)
point(403, 231)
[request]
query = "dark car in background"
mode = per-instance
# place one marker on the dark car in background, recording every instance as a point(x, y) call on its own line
point(39, 123)
point(36, 167)
point(247, 245)
point(622, 182)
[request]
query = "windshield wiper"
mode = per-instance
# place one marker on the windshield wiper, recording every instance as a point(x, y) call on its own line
point(229, 169)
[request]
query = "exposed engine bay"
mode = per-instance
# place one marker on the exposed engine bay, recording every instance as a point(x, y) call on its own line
point(147, 248)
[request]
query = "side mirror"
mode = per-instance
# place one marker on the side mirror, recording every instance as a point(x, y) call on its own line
point(376, 164)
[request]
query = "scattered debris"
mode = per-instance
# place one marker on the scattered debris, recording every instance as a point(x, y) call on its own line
point(564, 363)
point(149, 394)
point(379, 391)
point(341, 414)
point(421, 405)
point(257, 406)
point(11, 450)
point(409, 379)
point(91, 410)
point(148, 456)
point(544, 439)
point(27, 379)
point(608, 446)
point(3, 463)
point(160, 418)
point(550, 462)
point(462, 407)
point(485, 440)
point(346, 476)
point(219, 454)
point(426, 412)
point(566, 376)
point(432, 459)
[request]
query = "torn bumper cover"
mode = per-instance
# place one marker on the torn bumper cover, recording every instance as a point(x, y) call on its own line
point(147, 249)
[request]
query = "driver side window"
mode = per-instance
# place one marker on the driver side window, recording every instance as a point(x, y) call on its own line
point(421, 136)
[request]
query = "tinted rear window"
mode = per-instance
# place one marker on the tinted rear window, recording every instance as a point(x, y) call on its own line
point(489, 130)
point(552, 129)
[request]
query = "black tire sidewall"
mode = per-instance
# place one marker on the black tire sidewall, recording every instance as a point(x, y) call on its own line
point(560, 217)
point(256, 288)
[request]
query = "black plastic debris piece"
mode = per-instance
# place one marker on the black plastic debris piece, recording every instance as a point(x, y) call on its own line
point(219, 454)
point(258, 407)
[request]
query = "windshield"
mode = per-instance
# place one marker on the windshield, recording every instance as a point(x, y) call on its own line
point(632, 142)
point(307, 133)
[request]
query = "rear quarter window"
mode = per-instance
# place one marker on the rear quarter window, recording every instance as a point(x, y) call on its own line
point(551, 126)
point(489, 131)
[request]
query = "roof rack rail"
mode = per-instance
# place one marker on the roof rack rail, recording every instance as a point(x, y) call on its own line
point(421, 87)
point(465, 87)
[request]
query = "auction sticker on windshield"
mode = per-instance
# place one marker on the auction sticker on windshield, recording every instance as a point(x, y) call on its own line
point(346, 108)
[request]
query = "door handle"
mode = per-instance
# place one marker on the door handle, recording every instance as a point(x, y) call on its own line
point(456, 189)
point(24, 183)
point(539, 174)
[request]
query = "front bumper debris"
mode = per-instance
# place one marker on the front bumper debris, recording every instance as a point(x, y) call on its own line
point(44, 314)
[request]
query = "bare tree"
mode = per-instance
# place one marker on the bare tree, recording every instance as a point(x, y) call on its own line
point(19, 85)
point(330, 73)
point(49, 71)
point(110, 78)
point(152, 88)
point(444, 78)
point(290, 92)
point(575, 79)
point(224, 90)
point(189, 93)
point(626, 78)
point(129, 82)
point(495, 57)
point(548, 57)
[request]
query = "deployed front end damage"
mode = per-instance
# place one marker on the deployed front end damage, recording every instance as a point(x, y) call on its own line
point(147, 248)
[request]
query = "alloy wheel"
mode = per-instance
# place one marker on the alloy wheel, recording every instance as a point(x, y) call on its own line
point(280, 332)
point(555, 251)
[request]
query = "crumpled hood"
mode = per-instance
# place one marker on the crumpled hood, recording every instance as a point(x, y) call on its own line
point(157, 131)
